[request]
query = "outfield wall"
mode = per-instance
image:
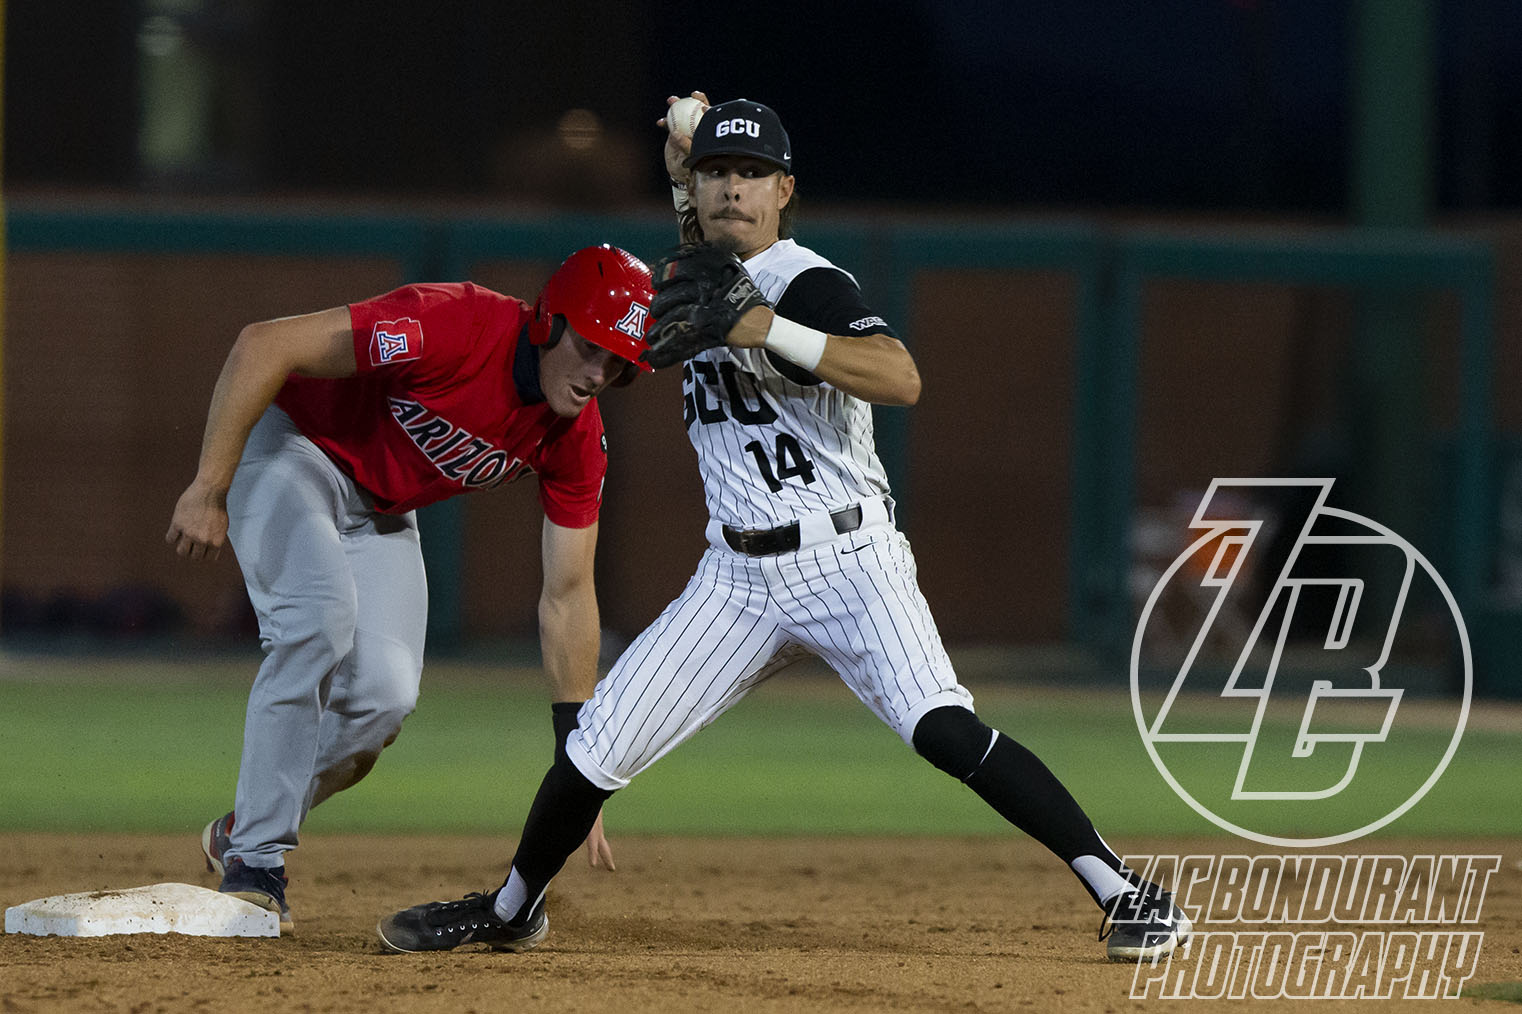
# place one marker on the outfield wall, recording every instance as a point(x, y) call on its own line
point(118, 320)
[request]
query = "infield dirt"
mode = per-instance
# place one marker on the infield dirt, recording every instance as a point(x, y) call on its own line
point(732, 925)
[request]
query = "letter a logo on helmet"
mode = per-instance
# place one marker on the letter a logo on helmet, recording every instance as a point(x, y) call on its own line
point(634, 323)
point(604, 294)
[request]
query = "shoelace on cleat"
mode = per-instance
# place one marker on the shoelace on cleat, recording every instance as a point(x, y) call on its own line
point(1142, 904)
point(448, 912)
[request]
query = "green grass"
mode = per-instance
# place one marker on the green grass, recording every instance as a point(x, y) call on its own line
point(1510, 992)
point(154, 747)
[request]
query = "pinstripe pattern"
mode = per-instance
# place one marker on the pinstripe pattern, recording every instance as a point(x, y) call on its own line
point(709, 647)
point(866, 617)
point(834, 429)
point(853, 600)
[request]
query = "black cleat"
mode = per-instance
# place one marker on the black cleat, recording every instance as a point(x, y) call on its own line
point(445, 925)
point(261, 886)
point(1143, 925)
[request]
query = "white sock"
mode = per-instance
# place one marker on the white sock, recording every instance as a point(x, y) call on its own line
point(1104, 883)
point(511, 899)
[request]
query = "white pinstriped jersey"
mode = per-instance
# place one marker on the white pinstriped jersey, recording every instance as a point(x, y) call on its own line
point(775, 444)
point(773, 441)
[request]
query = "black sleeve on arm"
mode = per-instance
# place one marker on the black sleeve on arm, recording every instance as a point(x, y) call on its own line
point(564, 716)
point(827, 300)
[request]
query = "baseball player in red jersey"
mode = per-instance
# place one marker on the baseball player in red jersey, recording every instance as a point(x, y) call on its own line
point(326, 431)
point(781, 360)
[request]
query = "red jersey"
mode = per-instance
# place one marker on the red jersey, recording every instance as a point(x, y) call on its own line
point(436, 408)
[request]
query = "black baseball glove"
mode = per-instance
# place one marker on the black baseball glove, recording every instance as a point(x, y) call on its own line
point(700, 291)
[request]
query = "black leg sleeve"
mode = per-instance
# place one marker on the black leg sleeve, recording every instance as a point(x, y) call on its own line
point(564, 810)
point(1024, 791)
point(1009, 778)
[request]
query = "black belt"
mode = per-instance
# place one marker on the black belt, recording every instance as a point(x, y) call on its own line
point(784, 538)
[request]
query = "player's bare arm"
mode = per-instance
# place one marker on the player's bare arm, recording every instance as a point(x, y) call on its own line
point(873, 367)
point(705, 298)
point(569, 628)
point(570, 633)
point(315, 344)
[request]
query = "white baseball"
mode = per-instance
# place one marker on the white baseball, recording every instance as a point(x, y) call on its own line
point(683, 116)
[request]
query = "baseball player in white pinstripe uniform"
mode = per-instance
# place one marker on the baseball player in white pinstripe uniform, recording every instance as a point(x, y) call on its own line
point(782, 359)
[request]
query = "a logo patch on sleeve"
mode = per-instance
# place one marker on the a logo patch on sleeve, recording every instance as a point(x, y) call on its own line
point(395, 341)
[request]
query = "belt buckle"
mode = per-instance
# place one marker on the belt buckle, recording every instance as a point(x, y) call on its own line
point(787, 538)
point(764, 541)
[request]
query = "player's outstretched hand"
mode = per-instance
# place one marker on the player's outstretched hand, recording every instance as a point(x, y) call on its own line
point(599, 852)
point(199, 526)
point(701, 290)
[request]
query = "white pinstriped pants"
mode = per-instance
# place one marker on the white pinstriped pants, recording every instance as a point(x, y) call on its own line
point(853, 600)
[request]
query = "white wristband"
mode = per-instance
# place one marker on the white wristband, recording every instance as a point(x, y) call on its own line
point(679, 197)
point(796, 343)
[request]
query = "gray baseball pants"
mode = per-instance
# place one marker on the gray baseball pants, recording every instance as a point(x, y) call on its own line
point(342, 602)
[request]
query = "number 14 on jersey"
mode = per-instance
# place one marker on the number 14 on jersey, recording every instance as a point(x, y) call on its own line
point(716, 393)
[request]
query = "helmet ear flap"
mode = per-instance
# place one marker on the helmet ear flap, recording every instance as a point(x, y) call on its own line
point(545, 329)
point(557, 328)
point(627, 374)
point(604, 294)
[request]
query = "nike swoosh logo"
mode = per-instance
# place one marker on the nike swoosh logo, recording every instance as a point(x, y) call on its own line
point(855, 549)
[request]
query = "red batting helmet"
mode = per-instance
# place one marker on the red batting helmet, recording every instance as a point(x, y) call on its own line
point(604, 293)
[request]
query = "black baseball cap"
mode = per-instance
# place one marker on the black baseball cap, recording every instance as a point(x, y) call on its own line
point(741, 127)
